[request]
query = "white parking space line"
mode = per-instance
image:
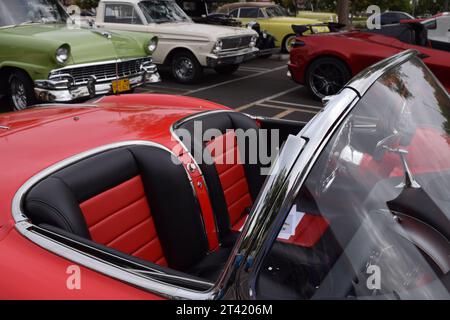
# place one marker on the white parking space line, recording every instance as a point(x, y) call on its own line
point(246, 106)
point(254, 69)
point(234, 80)
point(267, 105)
point(295, 104)
point(284, 113)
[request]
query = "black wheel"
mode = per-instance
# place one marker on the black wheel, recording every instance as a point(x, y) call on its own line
point(20, 90)
point(186, 68)
point(326, 76)
point(287, 41)
point(228, 69)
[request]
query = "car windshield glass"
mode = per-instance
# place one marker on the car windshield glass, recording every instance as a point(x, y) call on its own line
point(276, 11)
point(372, 220)
point(161, 11)
point(16, 12)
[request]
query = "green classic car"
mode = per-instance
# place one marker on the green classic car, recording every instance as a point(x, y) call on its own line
point(45, 57)
point(271, 17)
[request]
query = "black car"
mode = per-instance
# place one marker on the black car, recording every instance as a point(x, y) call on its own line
point(391, 17)
point(200, 12)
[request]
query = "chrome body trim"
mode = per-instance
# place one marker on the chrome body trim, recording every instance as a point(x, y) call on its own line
point(174, 127)
point(231, 57)
point(63, 88)
point(24, 226)
point(98, 63)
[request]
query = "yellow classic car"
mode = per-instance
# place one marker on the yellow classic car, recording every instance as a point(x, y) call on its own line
point(321, 16)
point(272, 18)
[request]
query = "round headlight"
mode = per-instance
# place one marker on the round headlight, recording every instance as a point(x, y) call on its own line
point(62, 54)
point(253, 41)
point(218, 46)
point(152, 45)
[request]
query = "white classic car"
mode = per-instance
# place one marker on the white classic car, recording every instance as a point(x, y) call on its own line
point(184, 46)
point(438, 29)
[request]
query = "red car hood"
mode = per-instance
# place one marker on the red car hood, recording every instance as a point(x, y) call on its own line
point(40, 137)
point(367, 37)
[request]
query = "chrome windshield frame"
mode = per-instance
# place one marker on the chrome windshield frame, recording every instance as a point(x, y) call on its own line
point(262, 227)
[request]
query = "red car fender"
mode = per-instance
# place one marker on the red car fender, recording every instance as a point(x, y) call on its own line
point(30, 272)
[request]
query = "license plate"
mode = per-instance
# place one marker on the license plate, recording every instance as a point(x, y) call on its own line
point(121, 85)
point(239, 59)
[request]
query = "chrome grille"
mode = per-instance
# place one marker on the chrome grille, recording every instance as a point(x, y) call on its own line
point(102, 72)
point(236, 43)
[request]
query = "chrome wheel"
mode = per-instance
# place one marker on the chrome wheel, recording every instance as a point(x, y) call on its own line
point(326, 79)
point(288, 42)
point(184, 69)
point(18, 94)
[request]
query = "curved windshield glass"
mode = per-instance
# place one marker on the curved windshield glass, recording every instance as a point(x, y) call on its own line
point(372, 220)
point(162, 11)
point(18, 12)
point(276, 11)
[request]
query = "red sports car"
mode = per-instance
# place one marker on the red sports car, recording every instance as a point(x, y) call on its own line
point(325, 62)
point(153, 196)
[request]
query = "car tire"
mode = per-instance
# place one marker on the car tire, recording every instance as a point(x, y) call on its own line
point(228, 69)
point(326, 76)
point(186, 68)
point(286, 44)
point(265, 56)
point(20, 90)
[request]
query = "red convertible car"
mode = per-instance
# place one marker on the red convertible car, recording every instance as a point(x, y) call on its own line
point(109, 199)
point(325, 62)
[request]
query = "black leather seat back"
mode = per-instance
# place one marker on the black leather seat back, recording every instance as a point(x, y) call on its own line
point(161, 223)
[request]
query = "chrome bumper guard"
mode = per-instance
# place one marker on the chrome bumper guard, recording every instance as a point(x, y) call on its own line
point(231, 57)
point(62, 88)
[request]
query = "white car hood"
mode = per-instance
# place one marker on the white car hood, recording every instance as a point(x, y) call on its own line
point(198, 31)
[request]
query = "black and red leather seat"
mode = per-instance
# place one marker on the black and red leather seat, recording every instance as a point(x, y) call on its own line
point(233, 182)
point(234, 185)
point(132, 199)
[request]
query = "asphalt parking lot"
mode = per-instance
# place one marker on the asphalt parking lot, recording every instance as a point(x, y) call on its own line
point(259, 87)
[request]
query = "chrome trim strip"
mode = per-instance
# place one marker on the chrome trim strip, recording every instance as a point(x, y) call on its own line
point(23, 225)
point(174, 127)
point(99, 63)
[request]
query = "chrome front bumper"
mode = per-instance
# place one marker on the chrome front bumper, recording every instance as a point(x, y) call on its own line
point(231, 57)
point(64, 91)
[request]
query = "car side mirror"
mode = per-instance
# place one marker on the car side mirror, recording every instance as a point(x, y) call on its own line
point(383, 145)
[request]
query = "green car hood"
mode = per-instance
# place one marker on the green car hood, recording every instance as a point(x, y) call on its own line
point(87, 45)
